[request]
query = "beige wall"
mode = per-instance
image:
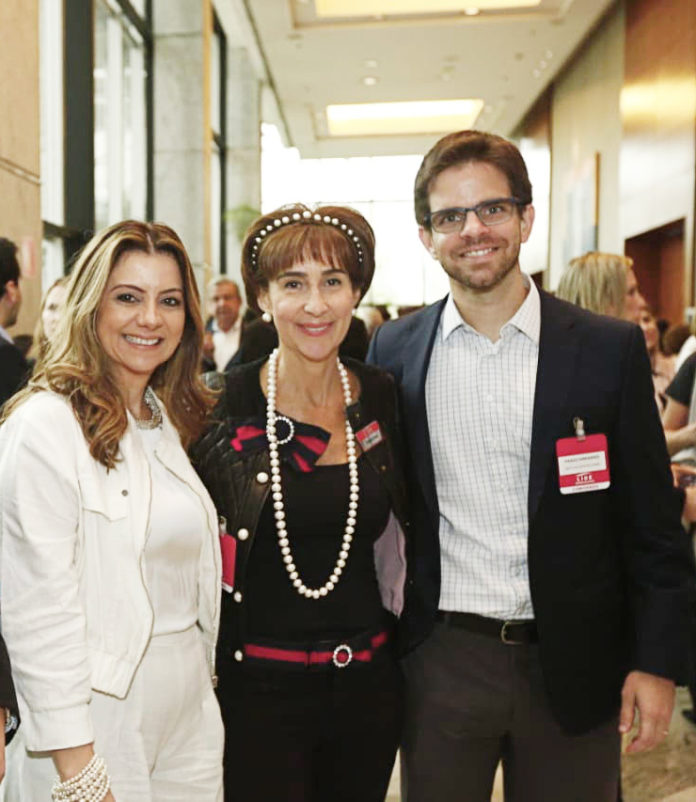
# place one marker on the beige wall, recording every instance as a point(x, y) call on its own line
point(20, 203)
point(585, 121)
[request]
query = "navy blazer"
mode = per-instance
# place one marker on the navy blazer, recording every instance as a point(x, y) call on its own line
point(611, 572)
point(14, 370)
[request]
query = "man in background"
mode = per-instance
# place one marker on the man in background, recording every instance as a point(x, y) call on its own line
point(226, 327)
point(13, 366)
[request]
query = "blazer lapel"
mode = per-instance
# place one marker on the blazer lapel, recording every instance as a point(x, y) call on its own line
point(418, 348)
point(558, 351)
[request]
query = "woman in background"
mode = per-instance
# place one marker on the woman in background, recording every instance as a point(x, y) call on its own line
point(50, 315)
point(304, 468)
point(110, 556)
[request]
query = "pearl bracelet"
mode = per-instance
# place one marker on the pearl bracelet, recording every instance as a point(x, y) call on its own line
point(90, 785)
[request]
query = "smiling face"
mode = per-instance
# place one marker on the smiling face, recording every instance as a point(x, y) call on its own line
point(312, 304)
point(478, 258)
point(141, 317)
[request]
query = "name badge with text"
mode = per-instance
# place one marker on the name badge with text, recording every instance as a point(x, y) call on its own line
point(583, 464)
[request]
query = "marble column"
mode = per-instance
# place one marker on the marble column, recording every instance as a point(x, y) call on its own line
point(181, 123)
point(243, 145)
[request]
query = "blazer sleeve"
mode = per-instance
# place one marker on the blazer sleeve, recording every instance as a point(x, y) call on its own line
point(43, 619)
point(658, 557)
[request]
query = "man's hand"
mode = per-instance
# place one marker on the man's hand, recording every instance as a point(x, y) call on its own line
point(653, 698)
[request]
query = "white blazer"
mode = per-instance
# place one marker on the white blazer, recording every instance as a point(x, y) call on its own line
point(76, 615)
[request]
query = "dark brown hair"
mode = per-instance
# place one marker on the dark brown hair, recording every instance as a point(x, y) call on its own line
point(264, 257)
point(470, 146)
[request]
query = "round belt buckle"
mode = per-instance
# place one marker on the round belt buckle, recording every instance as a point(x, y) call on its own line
point(342, 655)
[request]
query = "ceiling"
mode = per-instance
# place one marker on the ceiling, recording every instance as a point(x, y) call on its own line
point(506, 59)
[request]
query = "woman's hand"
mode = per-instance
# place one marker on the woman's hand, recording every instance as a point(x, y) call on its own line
point(70, 762)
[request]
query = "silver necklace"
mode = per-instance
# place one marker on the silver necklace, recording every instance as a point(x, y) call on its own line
point(277, 491)
point(155, 419)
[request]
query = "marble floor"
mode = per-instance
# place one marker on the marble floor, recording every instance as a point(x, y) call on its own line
point(667, 774)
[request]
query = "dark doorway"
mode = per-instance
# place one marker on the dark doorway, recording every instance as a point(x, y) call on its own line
point(658, 261)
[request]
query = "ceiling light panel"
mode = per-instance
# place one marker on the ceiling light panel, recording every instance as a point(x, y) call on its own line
point(371, 8)
point(414, 117)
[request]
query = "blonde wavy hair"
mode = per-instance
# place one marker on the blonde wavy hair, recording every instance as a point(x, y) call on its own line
point(596, 281)
point(76, 366)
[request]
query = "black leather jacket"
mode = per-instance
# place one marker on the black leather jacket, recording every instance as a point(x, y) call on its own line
point(239, 484)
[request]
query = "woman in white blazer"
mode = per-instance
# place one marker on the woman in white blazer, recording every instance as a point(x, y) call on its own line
point(110, 565)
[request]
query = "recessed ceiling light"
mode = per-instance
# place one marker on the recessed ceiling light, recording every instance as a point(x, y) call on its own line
point(472, 12)
point(370, 80)
point(375, 8)
point(413, 117)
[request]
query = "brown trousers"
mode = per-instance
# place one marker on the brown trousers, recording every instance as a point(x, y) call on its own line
point(472, 701)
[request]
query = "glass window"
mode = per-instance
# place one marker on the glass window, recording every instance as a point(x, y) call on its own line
point(120, 129)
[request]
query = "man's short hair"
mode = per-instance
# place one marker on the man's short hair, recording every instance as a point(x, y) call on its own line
point(470, 146)
point(9, 265)
point(224, 280)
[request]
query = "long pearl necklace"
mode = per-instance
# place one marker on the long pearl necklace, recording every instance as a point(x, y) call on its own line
point(277, 490)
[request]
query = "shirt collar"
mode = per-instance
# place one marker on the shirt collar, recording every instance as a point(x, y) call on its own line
point(5, 336)
point(526, 319)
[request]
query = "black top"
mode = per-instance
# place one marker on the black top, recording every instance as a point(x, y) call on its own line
point(316, 506)
point(682, 384)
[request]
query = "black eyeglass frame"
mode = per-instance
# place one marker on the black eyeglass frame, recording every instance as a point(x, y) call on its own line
point(428, 219)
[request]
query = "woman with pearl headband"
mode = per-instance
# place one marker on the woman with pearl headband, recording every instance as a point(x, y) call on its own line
point(303, 466)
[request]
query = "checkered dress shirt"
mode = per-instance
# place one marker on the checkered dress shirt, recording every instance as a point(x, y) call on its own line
point(480, 398)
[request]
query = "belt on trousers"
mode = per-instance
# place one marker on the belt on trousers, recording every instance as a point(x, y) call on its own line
point(323, 654)
point(510, 632)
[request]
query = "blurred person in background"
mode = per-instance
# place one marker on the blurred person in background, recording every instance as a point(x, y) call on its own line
point(110, 554)
point(227, 324)
point(14, 367)
point(662, 366)
point(604, 283)
point(50, 314)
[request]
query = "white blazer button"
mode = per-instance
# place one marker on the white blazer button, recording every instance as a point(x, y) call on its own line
point(239, 655)
point(243, 534)
point(237, 596)
point(262, 477)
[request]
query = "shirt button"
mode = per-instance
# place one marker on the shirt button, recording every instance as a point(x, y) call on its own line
point(237, 596)
point(239, 655)
point(243, 534)
point(262, 477)
point(124, 492)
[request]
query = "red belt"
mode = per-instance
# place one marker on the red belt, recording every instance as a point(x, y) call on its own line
point(341, 655)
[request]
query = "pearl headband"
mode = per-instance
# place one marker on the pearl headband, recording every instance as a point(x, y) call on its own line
point(304, 217)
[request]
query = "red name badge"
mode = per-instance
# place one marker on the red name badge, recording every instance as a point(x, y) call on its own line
point(583, 464)
point(369, 436)
point(228, 550)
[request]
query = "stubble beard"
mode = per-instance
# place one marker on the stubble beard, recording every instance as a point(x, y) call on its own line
point(480, 280)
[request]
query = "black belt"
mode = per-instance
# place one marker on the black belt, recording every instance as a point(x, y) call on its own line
point(510, 632)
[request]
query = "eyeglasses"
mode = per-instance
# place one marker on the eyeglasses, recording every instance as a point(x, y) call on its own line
point(490, 213)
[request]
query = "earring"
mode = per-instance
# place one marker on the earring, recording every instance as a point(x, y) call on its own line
point(267, 317)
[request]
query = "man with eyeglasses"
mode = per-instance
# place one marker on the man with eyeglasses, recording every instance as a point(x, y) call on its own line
point(551, 583)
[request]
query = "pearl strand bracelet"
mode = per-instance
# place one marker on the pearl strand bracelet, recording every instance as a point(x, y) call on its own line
point(90, 785)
